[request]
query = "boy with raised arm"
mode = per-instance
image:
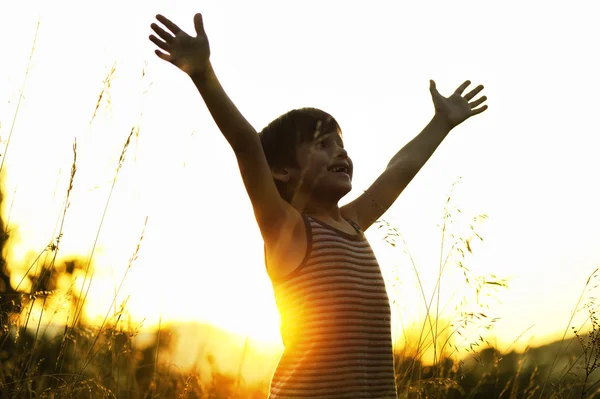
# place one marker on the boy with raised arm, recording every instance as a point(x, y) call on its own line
point(335, 312)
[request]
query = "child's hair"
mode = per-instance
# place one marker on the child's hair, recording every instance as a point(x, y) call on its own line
point(281, 137)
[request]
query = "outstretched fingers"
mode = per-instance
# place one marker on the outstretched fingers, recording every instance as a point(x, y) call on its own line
point(163, 56)
point(478, 110)
point(473, 93)
point(167, 37)
point(478, 102)
point(159, 43)
point(164, 45)
point(460, 89)
point(199, 24)
point(169, 24)
point(470, 95)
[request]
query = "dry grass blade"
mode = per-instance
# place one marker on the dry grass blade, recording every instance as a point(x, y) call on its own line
point(12, 126)
point(105, 92)
point(89, 356)
point(562, 350)
point(81, 300)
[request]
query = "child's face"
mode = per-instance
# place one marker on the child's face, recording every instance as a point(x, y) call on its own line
point(324, 167)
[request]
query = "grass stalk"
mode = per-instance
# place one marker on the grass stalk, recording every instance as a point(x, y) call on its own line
point(21, 94)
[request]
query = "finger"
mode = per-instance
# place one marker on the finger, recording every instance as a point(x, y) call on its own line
point(462, 87)
point(170, 25)
point(478, 102)
point(167, 37)
point(199, 24)
point(163, 56)
point(473, 93)
point(433, 87)
point(478, 110)
point(159, 43)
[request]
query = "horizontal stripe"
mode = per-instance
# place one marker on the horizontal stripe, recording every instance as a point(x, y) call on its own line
point(343, 294)
point(322, 301)
point(305, 283)
point(353, 395)
point(331, 382)
point(340, 246)
point(342, 316)
point(365, 285)
point(335, 256)
point(383, 368)
point(335, 354)
point(297, 306)
point(356, 276)
point(349, 395)
point(362, 280)
point(335, 322)
point(377, 347)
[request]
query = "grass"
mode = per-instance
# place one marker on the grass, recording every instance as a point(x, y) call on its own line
point(446, 356)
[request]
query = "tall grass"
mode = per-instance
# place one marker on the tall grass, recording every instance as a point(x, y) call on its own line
point(447, 355)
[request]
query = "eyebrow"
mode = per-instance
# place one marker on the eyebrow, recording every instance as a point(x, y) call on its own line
point(339, 139)
point(327, 136)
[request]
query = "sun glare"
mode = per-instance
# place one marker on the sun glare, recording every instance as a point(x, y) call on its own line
point(156, 208)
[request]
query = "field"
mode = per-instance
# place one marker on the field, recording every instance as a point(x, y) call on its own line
point(49, 349)
point(78, 359)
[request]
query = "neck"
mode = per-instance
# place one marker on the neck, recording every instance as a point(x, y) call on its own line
point(317, 207)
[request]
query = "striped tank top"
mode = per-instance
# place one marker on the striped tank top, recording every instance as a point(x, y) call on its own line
point(335, 321)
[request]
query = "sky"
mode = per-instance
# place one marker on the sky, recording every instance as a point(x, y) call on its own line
point(529, 162)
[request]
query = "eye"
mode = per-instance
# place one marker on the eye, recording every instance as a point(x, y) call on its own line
point(320, 143)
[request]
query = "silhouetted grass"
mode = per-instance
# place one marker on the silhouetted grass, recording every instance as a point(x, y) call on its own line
point(446, 357)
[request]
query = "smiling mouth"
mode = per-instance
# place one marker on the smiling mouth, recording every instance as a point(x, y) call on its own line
point(339, 169)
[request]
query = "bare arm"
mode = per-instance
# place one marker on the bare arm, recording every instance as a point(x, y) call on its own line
point(191, 55)
point(403, 167)
point(235, 128)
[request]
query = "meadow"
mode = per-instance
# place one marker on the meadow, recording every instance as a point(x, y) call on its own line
point(444, 359)
point(49, 349)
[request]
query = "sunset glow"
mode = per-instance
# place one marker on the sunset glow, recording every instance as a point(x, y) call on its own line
point(530, 163)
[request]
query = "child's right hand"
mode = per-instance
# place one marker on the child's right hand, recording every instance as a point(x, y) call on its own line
point(190, 54)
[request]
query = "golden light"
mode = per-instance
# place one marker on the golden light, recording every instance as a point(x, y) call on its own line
point(200, 259)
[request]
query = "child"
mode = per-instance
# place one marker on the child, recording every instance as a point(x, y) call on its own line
point(335, 312)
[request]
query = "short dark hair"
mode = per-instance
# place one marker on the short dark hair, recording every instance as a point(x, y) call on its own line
point(281, 137)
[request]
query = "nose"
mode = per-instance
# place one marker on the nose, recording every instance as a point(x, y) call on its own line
point(341, 153)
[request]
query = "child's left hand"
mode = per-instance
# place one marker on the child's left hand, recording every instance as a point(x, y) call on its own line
point(457, 108)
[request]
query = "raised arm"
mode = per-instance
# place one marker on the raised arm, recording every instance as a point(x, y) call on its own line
point(403, 167)
point(192, 55)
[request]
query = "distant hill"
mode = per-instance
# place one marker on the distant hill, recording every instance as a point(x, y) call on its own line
point(205, 347)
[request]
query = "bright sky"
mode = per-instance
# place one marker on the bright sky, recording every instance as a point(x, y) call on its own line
point(530, 162)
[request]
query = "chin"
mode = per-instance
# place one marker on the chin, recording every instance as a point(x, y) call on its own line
point(344, 191)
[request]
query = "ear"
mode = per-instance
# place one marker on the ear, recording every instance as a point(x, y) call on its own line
point(281, 174)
